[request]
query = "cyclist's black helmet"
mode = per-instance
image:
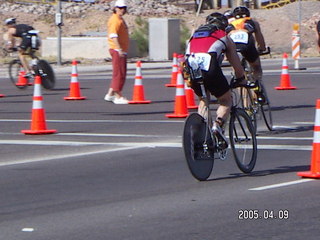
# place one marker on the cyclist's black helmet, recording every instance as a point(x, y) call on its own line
point(217, 19)
point(241, 12)
point(10, 21)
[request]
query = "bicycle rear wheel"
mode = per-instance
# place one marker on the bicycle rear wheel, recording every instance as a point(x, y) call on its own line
point(196, 137)
point(266, 109)
point(47, 74)
point(242, 140)
point(15, 72)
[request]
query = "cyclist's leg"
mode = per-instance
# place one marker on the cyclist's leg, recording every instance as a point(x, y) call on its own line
point(223, 111)
point(25, 43)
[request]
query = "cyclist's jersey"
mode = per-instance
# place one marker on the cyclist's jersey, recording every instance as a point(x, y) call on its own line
point(22, 30)
point(245, 23)
point(214, 43)
point(240, 31)
point(207, 48)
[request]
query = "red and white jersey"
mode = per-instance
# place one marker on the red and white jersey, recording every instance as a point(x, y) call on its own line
point(216, 42)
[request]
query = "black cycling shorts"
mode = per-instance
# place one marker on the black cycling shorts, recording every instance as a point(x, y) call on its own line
point(214, 80)
point(248, 51)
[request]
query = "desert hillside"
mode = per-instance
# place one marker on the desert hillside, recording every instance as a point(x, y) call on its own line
point(277, 24)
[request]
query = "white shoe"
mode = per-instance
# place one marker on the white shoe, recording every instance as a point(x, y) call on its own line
point(120, 100)
point(109, 98)
point(216, 129)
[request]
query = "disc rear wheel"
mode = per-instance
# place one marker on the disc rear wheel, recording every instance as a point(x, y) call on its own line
point(198, 147)
point(47, 74)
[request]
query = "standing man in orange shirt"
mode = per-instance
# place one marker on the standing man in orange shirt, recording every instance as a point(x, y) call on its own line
point(118, 40)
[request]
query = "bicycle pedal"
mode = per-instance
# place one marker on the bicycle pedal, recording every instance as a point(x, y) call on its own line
point(222, 154)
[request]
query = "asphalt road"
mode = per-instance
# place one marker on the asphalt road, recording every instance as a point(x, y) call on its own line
point(118, 171)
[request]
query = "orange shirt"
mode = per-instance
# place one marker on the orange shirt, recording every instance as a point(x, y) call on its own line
point(118, 28)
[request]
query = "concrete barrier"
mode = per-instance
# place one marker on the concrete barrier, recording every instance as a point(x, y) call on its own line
point(81, 47)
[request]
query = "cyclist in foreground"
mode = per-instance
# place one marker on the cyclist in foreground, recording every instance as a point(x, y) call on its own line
point(29, 39)
point(246, 33)
point(206, 49)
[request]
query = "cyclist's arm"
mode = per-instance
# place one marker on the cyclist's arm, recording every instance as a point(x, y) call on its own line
point(233, 58)
point(259, 37)
point(11, 38)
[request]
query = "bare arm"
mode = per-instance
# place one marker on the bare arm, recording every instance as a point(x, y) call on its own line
point(259, 37)
point(233, 58)
point(11, 38)
point(119, 49)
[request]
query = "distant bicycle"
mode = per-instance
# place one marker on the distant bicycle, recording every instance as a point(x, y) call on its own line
point(201, 144)
point(249, 97)
point(39, 67)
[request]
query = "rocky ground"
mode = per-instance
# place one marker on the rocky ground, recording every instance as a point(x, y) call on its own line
point(277, 24)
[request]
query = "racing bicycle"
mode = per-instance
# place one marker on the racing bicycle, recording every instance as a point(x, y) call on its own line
point(202, 146)
point(249, 97)
point(40, 67)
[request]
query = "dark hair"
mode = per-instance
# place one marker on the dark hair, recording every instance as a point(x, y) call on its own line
point(114, 9)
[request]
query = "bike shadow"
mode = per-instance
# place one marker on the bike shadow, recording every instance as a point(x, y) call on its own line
point(267, 172)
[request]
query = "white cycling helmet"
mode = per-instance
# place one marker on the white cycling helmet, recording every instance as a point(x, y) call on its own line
point(10, 21)
point(120, 3)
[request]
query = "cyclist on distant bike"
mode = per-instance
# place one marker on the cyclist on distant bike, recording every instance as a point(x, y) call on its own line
point(246, 33)
point(29, 39)
point(205, 51)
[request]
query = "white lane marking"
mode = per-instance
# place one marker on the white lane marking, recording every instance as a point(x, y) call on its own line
point(284, 138)
point(115, 135)
point(156, 136)
point(285, 147)
point(27, 229)
point(141, 144)
point(81, 154)
point(280, 185)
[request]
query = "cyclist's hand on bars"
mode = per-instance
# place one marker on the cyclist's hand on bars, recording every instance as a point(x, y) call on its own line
point(241, 82)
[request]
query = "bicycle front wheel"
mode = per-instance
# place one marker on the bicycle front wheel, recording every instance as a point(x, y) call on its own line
point(15, 74)
point(198, 147)
point(266, 109)
point(249, 104)
point(47, 74)
point(243, 140)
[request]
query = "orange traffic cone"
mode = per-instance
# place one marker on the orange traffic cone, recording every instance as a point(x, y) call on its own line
point(315, 156)
point(285, 77)
point(180, 106)
point(138, 90)
point(191, 104)
point(22, 80)
point(174, 73)
point(74, 93)
point(38, 121)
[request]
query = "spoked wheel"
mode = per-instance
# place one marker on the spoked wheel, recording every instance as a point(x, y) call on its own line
point(16, 73)
point(47, 74)
point(198, 147)
point(250, 105)
point(266, 109)
point(242, 140)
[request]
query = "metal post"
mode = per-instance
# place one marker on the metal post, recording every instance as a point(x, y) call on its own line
point(59, 24)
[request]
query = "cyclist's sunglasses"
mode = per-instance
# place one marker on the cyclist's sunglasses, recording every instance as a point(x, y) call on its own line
point(122, 7)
